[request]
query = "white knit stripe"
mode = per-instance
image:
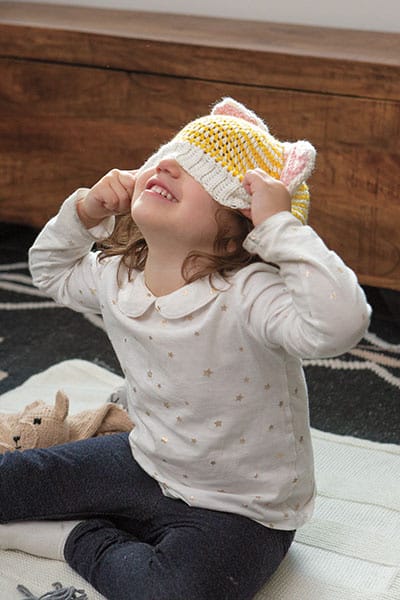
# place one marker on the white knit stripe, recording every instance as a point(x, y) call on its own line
point(15, 287)
point(16, 277)
point(376, 357)
point(28, 305)
point(14, 266)
point(335, 363)
point(374, 339)
point(215, 179)
point(365, 544)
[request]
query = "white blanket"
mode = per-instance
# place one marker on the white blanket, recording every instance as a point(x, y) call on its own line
point(349, 551)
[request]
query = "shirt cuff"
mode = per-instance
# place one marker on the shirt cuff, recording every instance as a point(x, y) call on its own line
point(101, 231)
point(257, 240)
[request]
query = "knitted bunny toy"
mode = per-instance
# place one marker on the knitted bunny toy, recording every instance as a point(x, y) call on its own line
point(40, 425)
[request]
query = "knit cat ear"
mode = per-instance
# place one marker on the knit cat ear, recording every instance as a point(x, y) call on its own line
point(233, 108)
point(299, 161)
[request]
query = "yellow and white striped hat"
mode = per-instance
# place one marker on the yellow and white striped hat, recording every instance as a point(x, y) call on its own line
point(217, 150)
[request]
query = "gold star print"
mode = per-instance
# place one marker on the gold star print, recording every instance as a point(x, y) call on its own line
point(333, 296)
point(218, 423)
point(207, 372)
point(194, 441)
point(164, 322)
point(179, 420)
point(150, 337)
point(170, 355)
point(150, 374)
point(164, 440)
point(189, 318)
point(167, 404)
point(246, 379)
point(159, 385)
point(114, 301)
point(213, 463)
point(185, 476)
point(242, 440)
point(281, 403)
point(196, 333)
point(224, 308)
point(267, 387)
point(239, 398)
point(301, 439)
point(93, 291)
point(241, 349)
point(148, 413)
point(271, 427)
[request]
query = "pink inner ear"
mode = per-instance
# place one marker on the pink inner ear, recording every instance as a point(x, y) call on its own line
point(228, 109)
point(299, 161)
point(229, 106)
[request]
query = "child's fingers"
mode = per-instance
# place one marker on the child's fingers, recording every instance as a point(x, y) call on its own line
point(128, 180)
point(253, 179)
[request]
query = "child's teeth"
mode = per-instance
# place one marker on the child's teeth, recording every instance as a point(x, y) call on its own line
point(164, 193)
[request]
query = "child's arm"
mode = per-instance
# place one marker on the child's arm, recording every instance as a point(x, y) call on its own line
point(314, 306)
point(60, 260)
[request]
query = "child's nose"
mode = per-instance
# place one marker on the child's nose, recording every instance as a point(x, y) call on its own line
point(170, 166)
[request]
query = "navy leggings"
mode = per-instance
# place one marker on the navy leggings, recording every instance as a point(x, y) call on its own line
point(135, 543)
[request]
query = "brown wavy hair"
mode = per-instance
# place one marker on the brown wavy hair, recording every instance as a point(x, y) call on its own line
point(229, 254)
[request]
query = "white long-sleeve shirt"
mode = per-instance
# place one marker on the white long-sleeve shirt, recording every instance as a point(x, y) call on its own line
point(214, 376)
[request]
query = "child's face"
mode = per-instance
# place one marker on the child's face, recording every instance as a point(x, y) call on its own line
point(168, 201)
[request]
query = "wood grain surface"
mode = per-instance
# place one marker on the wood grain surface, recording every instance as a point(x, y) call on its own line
point(84, 90)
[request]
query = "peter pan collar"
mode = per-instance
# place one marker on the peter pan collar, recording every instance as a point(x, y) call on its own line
point(134, 298)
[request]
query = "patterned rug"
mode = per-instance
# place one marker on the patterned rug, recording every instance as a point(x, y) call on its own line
point(356, 394)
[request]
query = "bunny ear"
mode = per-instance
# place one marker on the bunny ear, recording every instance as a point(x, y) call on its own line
point(299, 160)
point(62, 405)
point(233, 108)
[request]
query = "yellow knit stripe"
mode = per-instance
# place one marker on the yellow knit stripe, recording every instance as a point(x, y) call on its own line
point(301, 203)
point(237, 147)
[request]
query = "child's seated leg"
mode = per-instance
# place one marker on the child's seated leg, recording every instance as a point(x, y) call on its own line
point(92, 477)
point(183, 553)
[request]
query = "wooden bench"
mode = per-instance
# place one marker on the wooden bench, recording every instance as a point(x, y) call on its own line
point(84, 90)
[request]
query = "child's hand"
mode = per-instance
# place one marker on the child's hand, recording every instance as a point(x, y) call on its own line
point(111, 195)
point(269, 196)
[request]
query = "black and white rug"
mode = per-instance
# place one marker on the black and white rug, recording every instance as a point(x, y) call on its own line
point(355, 394)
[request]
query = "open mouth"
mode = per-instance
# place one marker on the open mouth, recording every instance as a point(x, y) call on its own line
point(161, 191)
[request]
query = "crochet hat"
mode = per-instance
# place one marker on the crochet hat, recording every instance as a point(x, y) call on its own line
point(217, 150)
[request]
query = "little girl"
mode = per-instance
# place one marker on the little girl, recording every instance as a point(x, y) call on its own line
point(212, 290)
